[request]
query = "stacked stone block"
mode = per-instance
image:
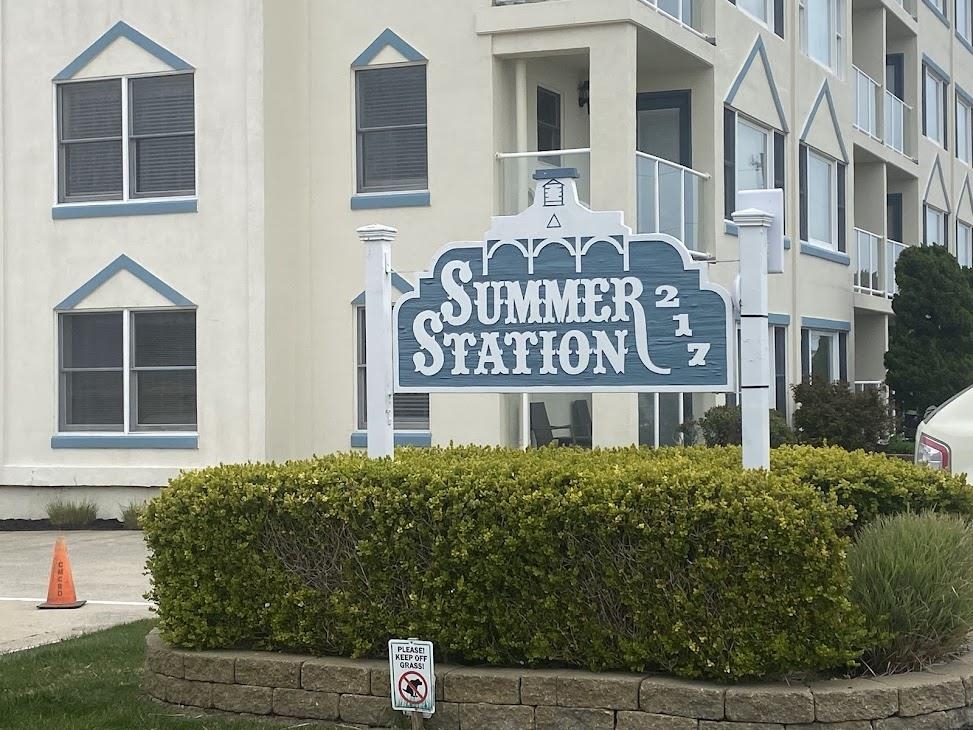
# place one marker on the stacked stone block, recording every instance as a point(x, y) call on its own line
point(356, 692)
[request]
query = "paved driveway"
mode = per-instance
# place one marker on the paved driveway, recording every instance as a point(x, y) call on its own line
point(108, 569)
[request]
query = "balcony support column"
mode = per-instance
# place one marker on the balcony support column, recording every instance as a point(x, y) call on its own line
point(612, 126)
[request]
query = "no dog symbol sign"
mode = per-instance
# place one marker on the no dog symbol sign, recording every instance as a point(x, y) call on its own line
point(413, 679)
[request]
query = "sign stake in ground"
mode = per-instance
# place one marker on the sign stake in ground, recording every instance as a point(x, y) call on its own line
point(413, 679)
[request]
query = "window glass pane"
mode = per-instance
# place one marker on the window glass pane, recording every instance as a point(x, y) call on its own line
point(669, 419)
point(93, 398)
point(934, 106)
point(964, 245)
point(164, 165)
point(165, 397)
point(822, 347)
point(162, 104)
point(751, 157)
point(819, 30)
point(164, 339)
point(394, 158)
point(963, 131)
point(91, 109)
point(757, 8)
point(820, 214)
point(392, 97)
point(647, 419)
point(92, 169)
point(935, 227)
point(91, 340)
point(548, 107)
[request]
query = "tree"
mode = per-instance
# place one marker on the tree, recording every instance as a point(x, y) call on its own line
point(930, 355)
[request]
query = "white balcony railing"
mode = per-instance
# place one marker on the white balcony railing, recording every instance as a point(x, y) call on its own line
point(892, 251)
point(685, 12)
point(867, 94)
point(875, 264)
point(669, 199)
point(868, 269)
point(517, 175)
point(897, 112)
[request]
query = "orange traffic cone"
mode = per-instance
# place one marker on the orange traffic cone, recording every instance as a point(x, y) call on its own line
point(60, 591)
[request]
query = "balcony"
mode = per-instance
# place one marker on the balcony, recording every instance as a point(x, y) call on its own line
point(897, 112)
point(517, 175)
point(893, 129)
point(875, 264)
point(685, 12)
point(669, 199)
point(668, 194)
point(867, 95)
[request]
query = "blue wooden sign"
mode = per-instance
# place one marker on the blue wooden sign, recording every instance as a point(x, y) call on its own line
point(561, 298)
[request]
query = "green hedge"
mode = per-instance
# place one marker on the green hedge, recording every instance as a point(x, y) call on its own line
point(673, 560)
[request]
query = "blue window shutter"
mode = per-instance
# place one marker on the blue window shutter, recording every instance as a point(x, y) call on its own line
point(843, 356)
point(842, 209)
point(805, 354)
point(779, 17)
point(779, 169)
point(802, 189)
point(729, 162)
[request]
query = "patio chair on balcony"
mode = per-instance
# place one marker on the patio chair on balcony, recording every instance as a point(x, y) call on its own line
point(581, 423)
point(542, 430)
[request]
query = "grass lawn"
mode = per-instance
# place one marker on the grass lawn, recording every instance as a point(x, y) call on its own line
point(92, 683)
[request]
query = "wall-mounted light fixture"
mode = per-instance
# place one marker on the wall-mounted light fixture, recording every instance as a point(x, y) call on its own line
point(583, 94)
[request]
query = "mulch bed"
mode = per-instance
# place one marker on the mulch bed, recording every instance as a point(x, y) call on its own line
point(45, 524)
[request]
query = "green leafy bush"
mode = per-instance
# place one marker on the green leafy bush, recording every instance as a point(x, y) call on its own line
point(62, 513)
point(912, 577)
point(832, 413)
point(723, 426)
point(628, 559)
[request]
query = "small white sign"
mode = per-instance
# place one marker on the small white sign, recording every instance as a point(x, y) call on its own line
point(412, 674)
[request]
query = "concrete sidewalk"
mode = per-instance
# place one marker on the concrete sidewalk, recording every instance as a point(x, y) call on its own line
point(108, 569)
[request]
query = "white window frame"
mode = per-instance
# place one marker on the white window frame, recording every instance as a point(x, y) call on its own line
point(937, 135)
point(768, 21)
point(964, 248)
point(963, 19)
point(124, 80)
point(831, 245)
point(128, 428)
point(964, 143)
point(360, 188)
point(835, 364)
point(929, 209)
point(768, 150)
point(836, 31)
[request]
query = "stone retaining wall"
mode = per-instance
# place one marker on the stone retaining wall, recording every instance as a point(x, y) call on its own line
point(357, 692)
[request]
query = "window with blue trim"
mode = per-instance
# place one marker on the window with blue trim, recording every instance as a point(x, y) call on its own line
point(823, 199)
point(127, 371)
point(964, 19)
point(822, 32)
point(392, 140)
point(410, 411)
point(126, 138)
point(934, 95)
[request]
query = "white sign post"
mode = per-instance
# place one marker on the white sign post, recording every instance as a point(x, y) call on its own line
point(378, 338)
point(760, 239)
point(413, 678)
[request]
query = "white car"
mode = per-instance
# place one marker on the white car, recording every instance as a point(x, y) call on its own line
point(944, 439)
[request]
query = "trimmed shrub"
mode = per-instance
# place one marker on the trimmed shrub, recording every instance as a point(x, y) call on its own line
point(912, 577)
point(833, 414)
point(62, 513)
point(723, 426)
point(628, 559)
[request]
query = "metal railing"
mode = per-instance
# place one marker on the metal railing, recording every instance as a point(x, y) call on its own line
point(867, 94)
point(897, 112)
point(517, 175)
point(868, 267)
point(669, 199)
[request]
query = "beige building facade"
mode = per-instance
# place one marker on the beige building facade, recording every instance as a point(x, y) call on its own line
point(182, 183)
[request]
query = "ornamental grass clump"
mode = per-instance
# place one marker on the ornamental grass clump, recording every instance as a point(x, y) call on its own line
point(912, 578)
point(63, 513)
